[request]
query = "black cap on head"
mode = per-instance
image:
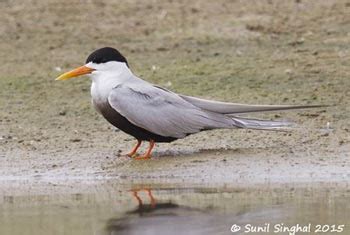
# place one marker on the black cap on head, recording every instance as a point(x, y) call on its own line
point(106, 54)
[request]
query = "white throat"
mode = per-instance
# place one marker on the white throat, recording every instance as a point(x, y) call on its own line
point(105, 77)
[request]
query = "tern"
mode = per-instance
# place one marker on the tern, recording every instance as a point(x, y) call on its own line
point(151, 113)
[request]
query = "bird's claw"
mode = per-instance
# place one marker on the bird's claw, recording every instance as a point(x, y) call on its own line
point(143, 157)
point(131, 155)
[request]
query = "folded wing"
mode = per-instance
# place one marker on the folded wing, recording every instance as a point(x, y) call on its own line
point(162, 112)
point(171, 115)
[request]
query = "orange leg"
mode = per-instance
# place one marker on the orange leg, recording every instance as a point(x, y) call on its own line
point(137, 197)
point(153, 200)
point(147, 155)
point(139, 200)
point(133, 151)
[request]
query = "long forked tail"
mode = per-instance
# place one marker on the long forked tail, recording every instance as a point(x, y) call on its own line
point(234, 108)
point(259, 124)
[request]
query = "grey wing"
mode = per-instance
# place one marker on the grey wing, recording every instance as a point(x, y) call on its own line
point(162, 112)
point(232, 108)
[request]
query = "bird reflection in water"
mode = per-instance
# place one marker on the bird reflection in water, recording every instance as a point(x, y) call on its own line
point(153, 206)
point(148, 213)
point(158, 216)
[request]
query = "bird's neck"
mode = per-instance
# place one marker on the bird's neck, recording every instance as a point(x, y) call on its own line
point(104, 81)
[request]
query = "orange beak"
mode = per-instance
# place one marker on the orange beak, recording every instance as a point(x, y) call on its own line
point(75, 73)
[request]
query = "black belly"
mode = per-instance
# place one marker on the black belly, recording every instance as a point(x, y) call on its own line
point(117, 120)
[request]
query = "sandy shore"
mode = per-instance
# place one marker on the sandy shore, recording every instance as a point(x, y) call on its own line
point(264, 53)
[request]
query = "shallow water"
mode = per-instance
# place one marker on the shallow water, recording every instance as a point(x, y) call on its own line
point(117, 208)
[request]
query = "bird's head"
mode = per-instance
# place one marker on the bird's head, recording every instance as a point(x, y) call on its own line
point(106, 60)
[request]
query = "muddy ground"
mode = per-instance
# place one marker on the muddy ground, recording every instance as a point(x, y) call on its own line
point(261, 52)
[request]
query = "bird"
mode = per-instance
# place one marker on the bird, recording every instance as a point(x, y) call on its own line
point(155, 114)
